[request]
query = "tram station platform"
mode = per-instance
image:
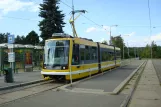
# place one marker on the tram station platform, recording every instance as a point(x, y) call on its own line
point(108, 82)
point(21, 78)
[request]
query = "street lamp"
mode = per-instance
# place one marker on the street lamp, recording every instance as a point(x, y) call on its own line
point(110, 33)
point(123, 44)
point(128, 50)
point(152, 44)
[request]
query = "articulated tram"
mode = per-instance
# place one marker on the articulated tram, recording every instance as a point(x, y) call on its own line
point(66, 56)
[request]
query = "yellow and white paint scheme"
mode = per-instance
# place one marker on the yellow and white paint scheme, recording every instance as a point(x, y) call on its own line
point(81, 70)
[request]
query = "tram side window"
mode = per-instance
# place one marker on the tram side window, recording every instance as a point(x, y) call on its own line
point(118, 55)
point(82, 54)
point(75, 57)
point(104, 55)
point(107, 55)
point(94, 54)
point(87, 53)
point(110, 56)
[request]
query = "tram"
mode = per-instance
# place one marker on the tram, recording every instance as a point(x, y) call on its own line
point(68, 57)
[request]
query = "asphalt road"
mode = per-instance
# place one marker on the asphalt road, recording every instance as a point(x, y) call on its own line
point(54, 98)
point(64, 99)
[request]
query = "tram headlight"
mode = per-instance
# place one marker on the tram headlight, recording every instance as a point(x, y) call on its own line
point(44, 66)
point(64, 67)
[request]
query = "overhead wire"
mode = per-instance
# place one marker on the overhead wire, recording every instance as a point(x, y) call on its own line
point(149, 18)
point(66, 4)
point(83, 15)
point(101, 26)
point(150, 29)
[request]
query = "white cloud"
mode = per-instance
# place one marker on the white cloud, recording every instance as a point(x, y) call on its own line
point(35, 8)
point(103, 39)
point(103, 29)
point(16, 5)
point(106, 28)
point(130, 34)
point(139, 41)
point(94, 29)
point(156, 37)
point(91, 29)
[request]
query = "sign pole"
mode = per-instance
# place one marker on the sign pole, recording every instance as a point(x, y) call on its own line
point(11, 54)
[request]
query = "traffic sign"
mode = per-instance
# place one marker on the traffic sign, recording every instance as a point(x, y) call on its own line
point(11, 57)
point(11, 39)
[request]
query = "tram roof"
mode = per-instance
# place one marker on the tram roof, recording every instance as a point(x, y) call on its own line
point(106, 46)
point(117, 48)
point(79, 40)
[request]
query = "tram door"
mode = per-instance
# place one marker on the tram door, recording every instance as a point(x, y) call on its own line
point(76, 61)
point(99, 61)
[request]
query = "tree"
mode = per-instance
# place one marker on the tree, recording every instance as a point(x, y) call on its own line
point(154, 49)
point(3, 37)
point(118, 42)
point(146, 52)
point(20, 40)
point(52, 19)
point(105, 42)
point(32, 38)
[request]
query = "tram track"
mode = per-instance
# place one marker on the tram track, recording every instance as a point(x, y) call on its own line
point(128, 98)
point(156, 64)
point(22, 92)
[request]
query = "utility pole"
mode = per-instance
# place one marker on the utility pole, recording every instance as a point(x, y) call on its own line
point(151, 50)
point(135, 52)
point(110, 37)
point(150, 27)
point(73, 16)
point(72, 19)
point(110, 34)
point(123, 49)
point(128, 50)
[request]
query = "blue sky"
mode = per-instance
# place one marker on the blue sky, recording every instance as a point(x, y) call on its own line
point(131, 16)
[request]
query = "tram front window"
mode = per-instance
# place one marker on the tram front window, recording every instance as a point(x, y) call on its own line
point(56, 54)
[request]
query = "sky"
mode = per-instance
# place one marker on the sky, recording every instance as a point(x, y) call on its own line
point(19, 17)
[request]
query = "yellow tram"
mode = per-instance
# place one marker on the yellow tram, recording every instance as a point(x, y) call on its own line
point(79, 57)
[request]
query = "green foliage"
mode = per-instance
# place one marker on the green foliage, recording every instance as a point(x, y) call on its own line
point(52, 19)
point(20, 40)
point(118, 42)
point(104, 42)
point(3, 37)
point(145, 52)
point(32, 38)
